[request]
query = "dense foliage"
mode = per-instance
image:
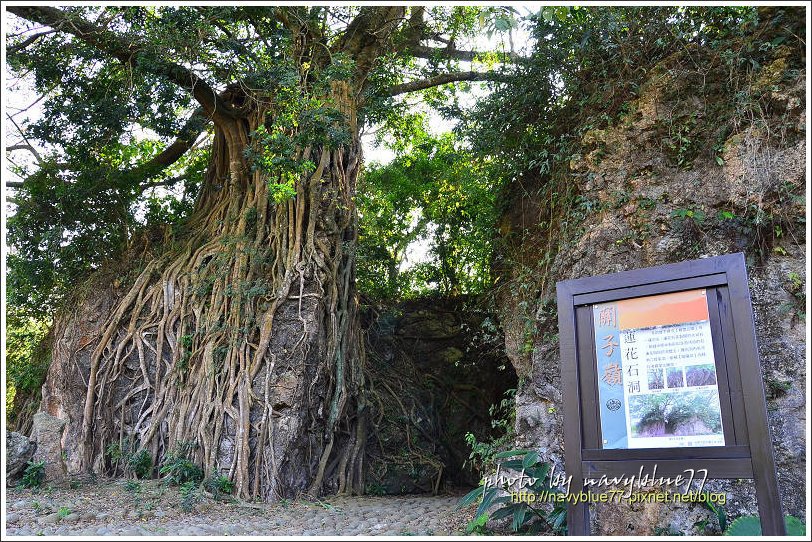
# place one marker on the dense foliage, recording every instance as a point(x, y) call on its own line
point(103, 172)
point(26, 360)
point(586, 63)
point(435, 196)
point(108, 188)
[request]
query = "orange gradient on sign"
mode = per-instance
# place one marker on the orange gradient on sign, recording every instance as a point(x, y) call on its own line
point(662, 310)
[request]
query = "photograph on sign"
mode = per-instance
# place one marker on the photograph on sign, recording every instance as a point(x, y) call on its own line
point(657, 380)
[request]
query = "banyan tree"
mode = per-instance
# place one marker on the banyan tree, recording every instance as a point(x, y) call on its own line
point(222, 321)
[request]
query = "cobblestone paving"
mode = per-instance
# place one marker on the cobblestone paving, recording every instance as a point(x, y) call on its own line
point(114, 508)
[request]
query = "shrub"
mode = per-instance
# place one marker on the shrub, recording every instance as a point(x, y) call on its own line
point(34, 474)
point(219, 485)
point(526, 518)
point(141, 464)
point(132, 486)
point(189, 495)
point(178, 469)
point(751, 526)
point(124, 455)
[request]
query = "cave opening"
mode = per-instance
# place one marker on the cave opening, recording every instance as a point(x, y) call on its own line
point(440, 385)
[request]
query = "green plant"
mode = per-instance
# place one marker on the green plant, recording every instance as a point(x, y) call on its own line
point(796, 282)
point(435, 194)
point(187, 487)
point(63, 512)
point(751, 526)
point(477, 525)
point(667, 531)
point(528, 517)
point(27, 358)
point(125, 455)
point(189, 496)
point(326, 505)
point(178, 469)
point(796, 288)
point(132, 486)
point(777, 388)
point(718, 511)
point(34, 474)
point(696, 216)
point(503, 420)
point(141, 464)
point(219, 485)
point(376, 488)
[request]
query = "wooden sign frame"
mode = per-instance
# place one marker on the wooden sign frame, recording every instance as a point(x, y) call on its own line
point(747, 452)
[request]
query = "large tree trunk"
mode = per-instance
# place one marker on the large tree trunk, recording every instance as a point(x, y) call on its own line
point(240, 337)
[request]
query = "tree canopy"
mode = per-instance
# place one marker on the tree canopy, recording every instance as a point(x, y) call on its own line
point(126, 97)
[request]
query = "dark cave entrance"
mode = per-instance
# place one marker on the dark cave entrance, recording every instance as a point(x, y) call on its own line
point(436, 370)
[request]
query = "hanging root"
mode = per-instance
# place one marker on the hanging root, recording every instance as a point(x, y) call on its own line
point(242, 338)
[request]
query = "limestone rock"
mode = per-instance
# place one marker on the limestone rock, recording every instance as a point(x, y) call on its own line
point(19, 450)
point(655, 211)
point(47, 434)
point(50, 519)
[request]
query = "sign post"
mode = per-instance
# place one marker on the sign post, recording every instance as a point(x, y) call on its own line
point(660, 372)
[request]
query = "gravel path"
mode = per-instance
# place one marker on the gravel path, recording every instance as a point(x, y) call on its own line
point(116, 508)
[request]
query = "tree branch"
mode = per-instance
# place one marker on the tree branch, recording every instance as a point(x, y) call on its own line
point(442, 79)
point(416, 31)
point(367, 34)
point(28, 41)
point(450, 52)
point(167, 182)
point(128, 52)
point(186, 138)
point(25, 147)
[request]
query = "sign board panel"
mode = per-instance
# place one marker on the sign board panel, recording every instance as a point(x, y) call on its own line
point(656, 373)
point(656, 364)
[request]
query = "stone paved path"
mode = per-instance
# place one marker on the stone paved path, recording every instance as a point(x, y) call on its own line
point(113, 508)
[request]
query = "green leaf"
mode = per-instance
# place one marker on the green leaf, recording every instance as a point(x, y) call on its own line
point(530, 460)
point(487, 500)
point(720, 160)
point(502, 513)
point(511, 453)
point(794, 526)
point(744, 526)
point(558, 518)
point(469, 498)
point(476, 524)
point(541, 476)
point(535, 528)
point(502, 24)
point(518, 517)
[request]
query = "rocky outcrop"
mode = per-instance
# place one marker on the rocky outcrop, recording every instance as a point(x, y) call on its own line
point(19, 450)
point(435, 369)
point(47, 434)
point(732, 182)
